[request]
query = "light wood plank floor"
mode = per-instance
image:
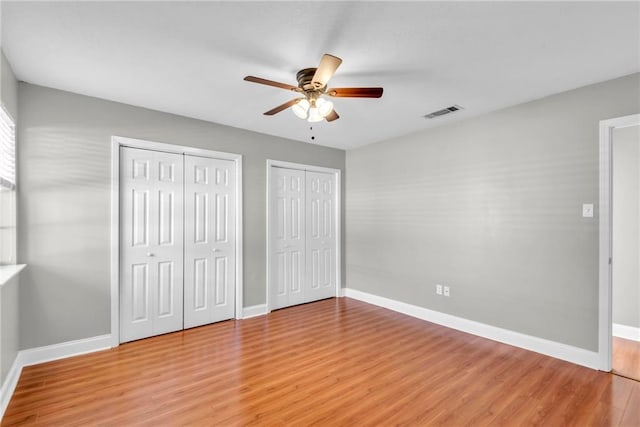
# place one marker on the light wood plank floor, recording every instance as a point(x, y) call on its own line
point(626, 358)
point(334, 362)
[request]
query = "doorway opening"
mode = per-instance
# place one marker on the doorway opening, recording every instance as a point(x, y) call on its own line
point(619, 335)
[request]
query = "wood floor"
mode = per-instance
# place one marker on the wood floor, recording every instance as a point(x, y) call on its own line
point(334, 362)
point(626, 358)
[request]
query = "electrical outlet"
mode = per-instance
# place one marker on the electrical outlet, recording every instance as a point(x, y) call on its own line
point(439, 289)
point(447, 291)
point(587, 210)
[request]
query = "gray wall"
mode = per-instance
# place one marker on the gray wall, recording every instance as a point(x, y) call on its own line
point(9, 328)
point(9, 339)
point(491, 207)
point(626, 226)
point(64, 175)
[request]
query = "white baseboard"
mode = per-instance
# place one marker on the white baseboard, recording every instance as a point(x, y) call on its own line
point(9, 385)
point(254, 310)
point(626, 332)
point(566, 352)
point(341, 292)
point(33, 356)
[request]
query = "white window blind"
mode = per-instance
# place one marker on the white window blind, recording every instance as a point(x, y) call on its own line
point(7, 151)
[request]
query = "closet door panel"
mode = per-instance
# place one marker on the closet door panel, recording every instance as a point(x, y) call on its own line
point(151, 209)
point(321, 237)
point(288, 249)
point(209, 245)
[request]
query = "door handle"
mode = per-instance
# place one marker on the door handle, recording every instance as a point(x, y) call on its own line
point(215, 250)
point(150, 254)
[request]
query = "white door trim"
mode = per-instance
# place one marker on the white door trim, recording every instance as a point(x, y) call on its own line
point(337, 173)
point(116, 143)
point(604, 295)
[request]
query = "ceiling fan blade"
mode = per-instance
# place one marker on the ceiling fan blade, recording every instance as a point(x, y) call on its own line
point(282, 107)
point(328, 66)
point(332, 116)
point(355, 92)
point(269, 83)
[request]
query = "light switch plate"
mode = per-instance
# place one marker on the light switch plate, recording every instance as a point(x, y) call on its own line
point(587, 210)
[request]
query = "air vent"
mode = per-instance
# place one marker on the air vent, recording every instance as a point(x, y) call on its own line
point(442, 112)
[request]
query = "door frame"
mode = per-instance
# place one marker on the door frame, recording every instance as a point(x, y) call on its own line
point(337, 173)
point(116, 143)
point(605, 333)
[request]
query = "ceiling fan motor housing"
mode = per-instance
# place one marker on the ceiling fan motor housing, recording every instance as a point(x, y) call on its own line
point(305, 77)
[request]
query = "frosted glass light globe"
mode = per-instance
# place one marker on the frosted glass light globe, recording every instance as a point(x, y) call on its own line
point(314, 115)
point(324, 107)
point(301, 109)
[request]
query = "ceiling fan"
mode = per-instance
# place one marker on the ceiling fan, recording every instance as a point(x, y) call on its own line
point(312, 85)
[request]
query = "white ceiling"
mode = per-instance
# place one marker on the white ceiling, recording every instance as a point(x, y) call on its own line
point(190, 58)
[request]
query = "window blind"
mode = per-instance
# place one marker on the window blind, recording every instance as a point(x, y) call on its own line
point(7, 151)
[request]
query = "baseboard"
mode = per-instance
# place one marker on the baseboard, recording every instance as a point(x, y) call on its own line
point(34, 356)
point(9, 385)
point(341, 292)
point(254, 310)
point(626, 332)
point(554, 349)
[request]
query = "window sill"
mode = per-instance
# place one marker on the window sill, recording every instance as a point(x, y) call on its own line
point(7, 272)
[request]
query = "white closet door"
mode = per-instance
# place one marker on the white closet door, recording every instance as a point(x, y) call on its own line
point(321, 236)
point(151, 237)
point(287, 269)
point(209, 293)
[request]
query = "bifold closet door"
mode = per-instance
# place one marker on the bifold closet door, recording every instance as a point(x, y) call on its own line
point(151, 243)
point(320, 236)
point(288, 246)
point(210, 264)
point(303, 236)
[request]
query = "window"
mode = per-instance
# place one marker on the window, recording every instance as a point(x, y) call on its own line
point(7, 189)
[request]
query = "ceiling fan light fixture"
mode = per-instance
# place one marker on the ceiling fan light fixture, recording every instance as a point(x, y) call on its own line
point(314, 110)
point(301, 109)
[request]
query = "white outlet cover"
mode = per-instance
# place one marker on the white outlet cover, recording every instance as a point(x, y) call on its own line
point(439, 289)
point(447, 291)
point(587, 210)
